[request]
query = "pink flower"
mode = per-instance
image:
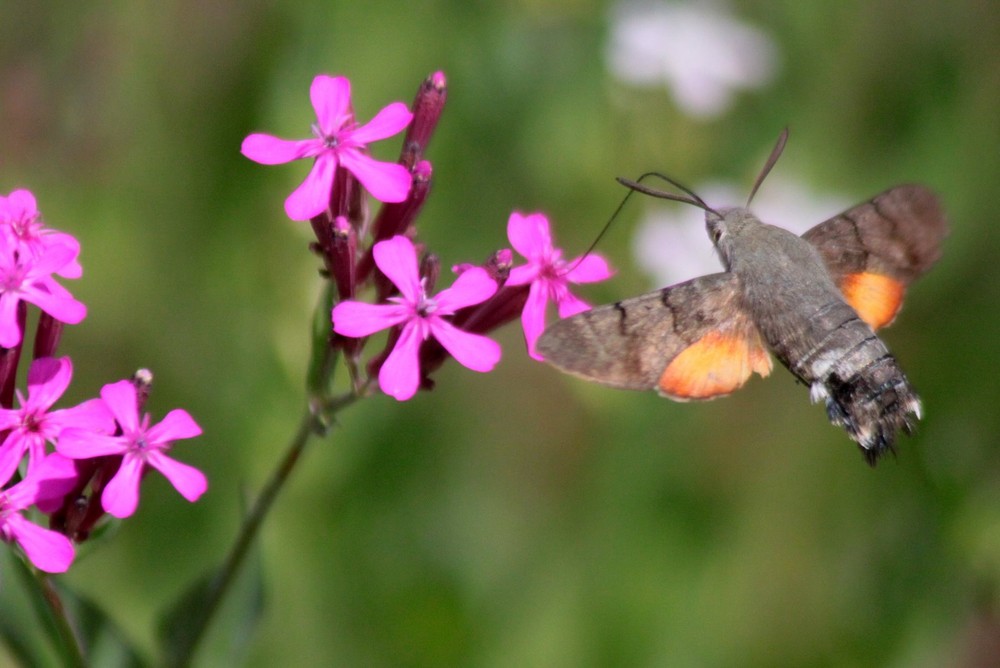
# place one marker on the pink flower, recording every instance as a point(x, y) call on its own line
point(48, 550)
point(548, 274)
point(22, 222)
point(338, 141)
point(32, 425)
point(420, 317)
point(139, 445)
point(28, 277)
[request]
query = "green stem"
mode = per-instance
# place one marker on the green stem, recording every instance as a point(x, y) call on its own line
point(69, 643)
point(315, 421)
point(248, 532)
point(73, 653)
point(308, 426)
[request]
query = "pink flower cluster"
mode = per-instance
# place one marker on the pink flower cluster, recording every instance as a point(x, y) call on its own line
point(30, 255)
point(424, 327)
point(71, 464)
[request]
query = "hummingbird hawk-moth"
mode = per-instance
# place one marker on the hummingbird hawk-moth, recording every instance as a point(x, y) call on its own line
point(813, 301)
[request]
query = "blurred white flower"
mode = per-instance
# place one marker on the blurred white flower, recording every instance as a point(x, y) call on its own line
point(701, 52)
point(671, 243)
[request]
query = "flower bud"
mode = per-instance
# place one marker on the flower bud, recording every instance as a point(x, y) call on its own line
point(427, 109)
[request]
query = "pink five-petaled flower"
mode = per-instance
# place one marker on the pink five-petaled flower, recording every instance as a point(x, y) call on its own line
point(28, 277)
point(22, 222)
point(33, 425)
point(338, 141)
point(48, 550)
point(420, 316)
point(548, 274)
point(139, 444)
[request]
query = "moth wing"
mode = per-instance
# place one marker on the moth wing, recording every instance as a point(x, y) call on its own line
point(876, 249)
point(692, 340)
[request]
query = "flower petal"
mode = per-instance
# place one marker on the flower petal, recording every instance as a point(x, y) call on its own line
point(53, 478)
point(22, 204)
point(35, 445)
point(52, 258)
point(569, 304)
point(387, 122)
point(386, 181)
point(357, 319)
point(48, 378)
point(175, 425)
point(397, 259)
point(591, 269)
point(473, 286)
point(77, 443)
point(48, 550)
point(474, 351)
point(533, 316)
point(121, 399)
point(399, 376)
point(10, 330)
point(331, 100)
point(524, 274)
point(270, 150)
point(11, 454)
point(92, 415)
point(9, 418)
point(55, 300)
point(72, 268)
point(189, 481)
point(530, 235)
point(312, 197)
point(121, 496)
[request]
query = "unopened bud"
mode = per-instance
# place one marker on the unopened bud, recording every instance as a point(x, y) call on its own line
point(427, 109)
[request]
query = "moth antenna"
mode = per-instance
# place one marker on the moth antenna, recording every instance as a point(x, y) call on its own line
point(689, 197)
point(773, 158)
point(676, 184)
point(604, 230)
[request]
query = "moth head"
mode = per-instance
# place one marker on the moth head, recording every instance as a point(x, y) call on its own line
point(725, 228)
point(715, 225)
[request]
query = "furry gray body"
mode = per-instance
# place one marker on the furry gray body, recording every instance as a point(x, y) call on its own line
point(805, 322)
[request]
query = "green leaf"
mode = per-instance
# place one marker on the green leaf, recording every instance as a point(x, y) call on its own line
point(104, 642)
point(34, 634)
point(320, 374)
point(183, 629)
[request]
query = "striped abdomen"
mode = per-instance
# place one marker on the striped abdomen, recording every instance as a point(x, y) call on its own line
point(847, 365)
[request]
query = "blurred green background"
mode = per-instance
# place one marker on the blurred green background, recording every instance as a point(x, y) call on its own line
point(520, 517)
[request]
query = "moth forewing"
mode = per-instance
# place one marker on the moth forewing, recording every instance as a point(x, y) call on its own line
point(689, 341)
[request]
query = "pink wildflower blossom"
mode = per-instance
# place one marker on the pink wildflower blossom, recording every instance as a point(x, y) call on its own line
point(420, 316)
point(33, 425)
point(48, 550)
point(548, 274)
point(338, 141)
point(22, 222)
point(28, 277)
point(139, 445)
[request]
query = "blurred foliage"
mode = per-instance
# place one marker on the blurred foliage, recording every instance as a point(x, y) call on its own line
point(519, 518)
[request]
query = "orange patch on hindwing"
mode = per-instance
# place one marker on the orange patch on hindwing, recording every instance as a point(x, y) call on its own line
point(715, 365)
point(875, 297)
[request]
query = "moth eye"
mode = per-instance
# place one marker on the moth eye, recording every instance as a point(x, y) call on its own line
point(715, 232)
